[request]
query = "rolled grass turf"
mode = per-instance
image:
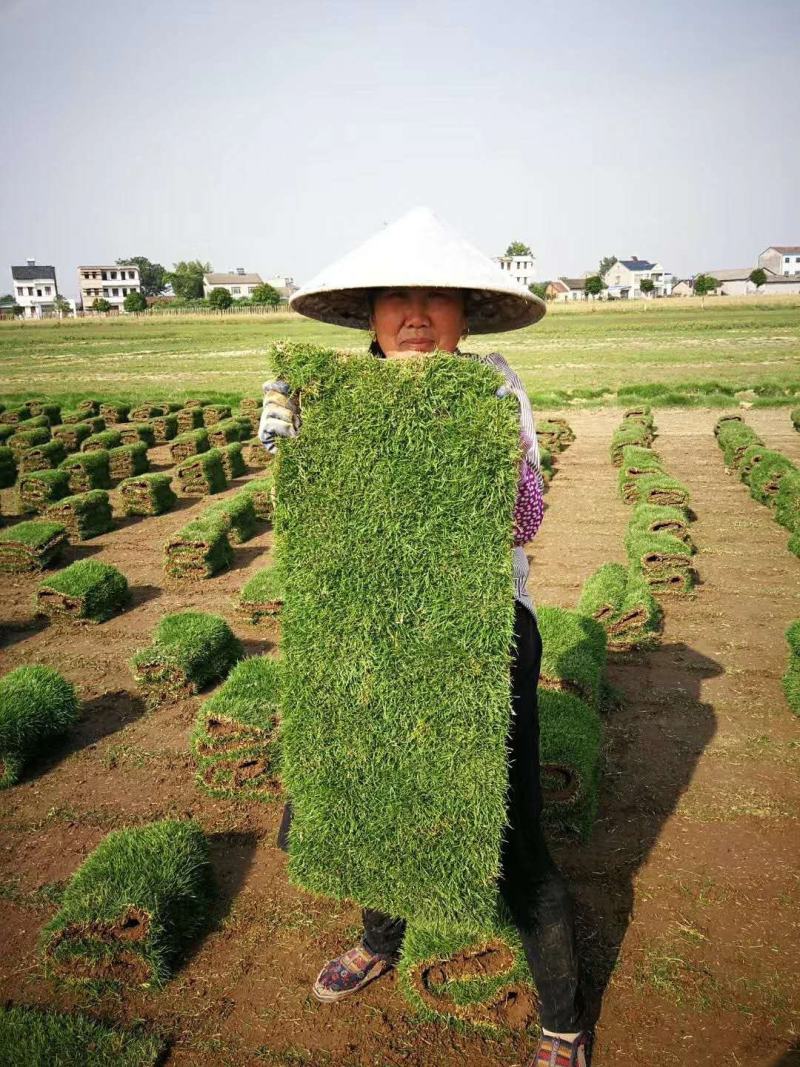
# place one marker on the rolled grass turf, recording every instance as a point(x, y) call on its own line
point(133, 907)
point(570, 735)
point(787, 502)
point(262, 492)
point(13, 416)
point(659, 489)
point(103, 441)
point(263, 595)
point(144, 412)
point(629, 433)
point(189, 418)
point(88, 470)
point(113, 412)
point(554, 434)
point(201, 475)
point(723, 421)
point(40, 489)
point(235, 739)
point(21, 442)
point(146, 494)
point(87, 591)
point(31, 546)
point(48, 408)
point(84, 515)
point(36, 1038)
point(794, 415)
point(128, 460)
point(661, 518)
point(165, 427)
point(791, 680)
point(233, 461)
point(8, 467)
point(636, 463)
point(223, 432)
point(238, 517)
point(734, 438)
point(6, 431)
point(72, 436)
point(137, 432)
point(214, 413)
point(200, 549)
point(621, 601)
point(573, 653)
point(664, 560)
point(37, 708)
point(189, 649)
point(190, 443)
point(42, 457)
point(89, 406)
point(752, 456)
point(766, 477)
point(251, 405)
point(255, 455)
point(396, 628)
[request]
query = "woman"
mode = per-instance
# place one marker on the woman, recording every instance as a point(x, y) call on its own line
point(420, 288)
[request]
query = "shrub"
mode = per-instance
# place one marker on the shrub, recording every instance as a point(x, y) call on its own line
point(134, 302)
point(128, 460)
point(574, 653)
point(255, 455)
point(262, 492)
point(262, 596)
point(191, 443)
point(8, 468)
point(42, 457)
point(31, 546)
point(114, 412)
point(199, 550)
point(621, 601)
point(23, 440)
point(85, 590)
point(189, 418)
point(569, 746)
point(84, 515)
point(72, 436)
point(41, 488)
point(237, 516)
point(223, 432)
point(39, 1038)
point(165, 427)
point(138, 432)
point(189, 650)
point(37, 707)
point(147, 494)
point(202, 475)
point(133, 906)
point(98, 442)
point(233, 461)
point(665, 561)
point(220, 298)
point(214, 413)
point(88, 470)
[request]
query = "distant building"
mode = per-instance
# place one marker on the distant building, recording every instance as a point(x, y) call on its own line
point(283, 284)
point(109, 282)
point(782, 260)
point(35, 289)
point(624, 279)
point(523, 268)
point(734, 281)
point(684, 287)
point(564, 290)
point(238, 283)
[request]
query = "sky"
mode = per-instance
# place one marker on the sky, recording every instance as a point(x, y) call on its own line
point(277, 137)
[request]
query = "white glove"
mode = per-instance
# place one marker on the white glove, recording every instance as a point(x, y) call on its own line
point(279, 415)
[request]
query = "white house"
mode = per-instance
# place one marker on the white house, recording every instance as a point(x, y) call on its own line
point(684, 287)
point(624, 279)
point(107, 282)
point(238, 283)
point(523, 268)
point(284, 285)
point(563, 290)
point(35, 289)
point(783, 260)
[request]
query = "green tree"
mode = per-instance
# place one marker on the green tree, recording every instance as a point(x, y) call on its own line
point(152, 276)
point(594, 286)
point(704, 284)
point(134, 302)
point(220, 298)
point(606, 263)
point(758, 277)
point(61, 304)
point(648, 286)
point(265, 294)
point(100, 304)
point(539, 289)
point(517, 248)
point(187, 278)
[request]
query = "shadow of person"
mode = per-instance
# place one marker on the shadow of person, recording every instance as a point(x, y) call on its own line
point(790, 1058)
point(652, 743)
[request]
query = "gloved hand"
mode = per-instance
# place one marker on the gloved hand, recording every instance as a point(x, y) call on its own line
point(279, 415)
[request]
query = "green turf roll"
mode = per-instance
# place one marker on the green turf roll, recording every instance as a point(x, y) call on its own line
point(620, 600)
point(554, 434)
point(201, 475)
point(794, 544)
point(791, 680)
point(663, 559)
point(40, 489)
point(766, 477)
point(137, 432)
point(569, 749)
point(734, 438)
point(237, 516)
point(750, 457)
point(661, 518)
point(31, 546)
point(250, 405)
point(546, 463)
point(8, 467)
point(37, 1038)
point(795, 417)
point(724, 420)
point(15, 415)
point(128, 460)
point(86, 590)
point(133, 906)
point(233, 460)
point(6, 431)
point(43, 457)
point(658, 489)
point(191, 443)
point(89, 406)
point(143, 412)
point(42, 406)
point(103, 441)
point(189, 418)
point(262, 597)
point(146, 494)
point(165, 427)
point(395, 510)
point(255, 455)
point(223, 432)
point(636, 463)
point(214, 413)
point(573, 652)
point(23, 440)
point(200, 549)
point(113, 412)
point(84, 515)
point(248, 425)
point(189, 650)
point(88, 470)
point(262, 493)
point(37, 707)
point(787, 501)
point(629, 433)
point(71, 436)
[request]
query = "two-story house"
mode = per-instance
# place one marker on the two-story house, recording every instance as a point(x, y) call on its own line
point(624, 279)
point(563, 290)
point(35, 289)
point(782, 260)
point(109, 282)
point(238, 283)
point(523, 268)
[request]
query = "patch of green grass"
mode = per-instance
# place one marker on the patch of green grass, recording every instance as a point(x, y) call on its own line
point(36, 1038)
point(37, 706)
point(237, 516)
point(147, 494)
point(40, 489)
point(31, 545)
point(88, 470)
point(620, 600)
point(86, 589)
point(128, 460)
point(200, 549)
point(84, 515)
point(106, 440)
point(202, 475)
point(573, 652)
point(189, 650)
point(263, 595)
point(233, 461)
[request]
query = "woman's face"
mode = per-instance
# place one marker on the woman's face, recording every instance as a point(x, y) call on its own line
point(415, 319)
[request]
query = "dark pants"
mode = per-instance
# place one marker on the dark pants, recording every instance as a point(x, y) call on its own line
point(530, 882)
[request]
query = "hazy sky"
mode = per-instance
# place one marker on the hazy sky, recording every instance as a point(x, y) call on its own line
point(276, 136)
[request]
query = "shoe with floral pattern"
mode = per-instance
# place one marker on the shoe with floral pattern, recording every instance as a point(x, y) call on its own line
point(555, 1051)
point(350, 972)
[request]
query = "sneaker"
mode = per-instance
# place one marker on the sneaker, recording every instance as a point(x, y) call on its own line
point(350, 972)
point(557, 1052)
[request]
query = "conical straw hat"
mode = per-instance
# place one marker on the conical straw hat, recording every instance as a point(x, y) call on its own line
point(418, 250)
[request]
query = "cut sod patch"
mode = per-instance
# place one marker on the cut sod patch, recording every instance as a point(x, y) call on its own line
point(189, 418)
point(223, 432)
point(113, 412)
point(72, 436)
point(569, 750)
point(791, 680)
point(42, 457)
point(200, 549)
point(622, 602)
point(13, 416)
point(143, 412)
point(636, 463)
point(128, 460)
point(42, 406)
point(660, 518)
point(235, 738)
point(137, 432)
point(86, 590)
point(31, 546)
point(554, 434)
point(787, 502)
point(6, 431)
point(165, 427)
point(88, 470)
point(658, 489)
point(767, 475)
point(191, 443)
point(40, 489)
point(19, 443)
point(36, 1038)
point(629, 433)
point(37, 707)
point(89, 406)
point(201, 475)
point(752, 456)
point(734, 438)
point(262, 492)
point(147, 494)
point(233, 461)
point(251, 405)
point(8, 467)
point(262, 597)
point(255, 455)
point(723, 420)
point(84, 515)
point(214, 413)
point(102, 441)
point(133, 906)
point(189, 650)
point(395, 512)
point(573, 652)
point(237, 516)
point(664, 560)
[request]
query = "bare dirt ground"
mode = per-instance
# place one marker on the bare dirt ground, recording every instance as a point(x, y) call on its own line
point(686, 893)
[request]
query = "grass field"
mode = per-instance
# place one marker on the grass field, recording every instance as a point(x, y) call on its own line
point(671, 352)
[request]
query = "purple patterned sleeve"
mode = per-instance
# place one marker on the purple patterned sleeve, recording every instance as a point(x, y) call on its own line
point(529, 508)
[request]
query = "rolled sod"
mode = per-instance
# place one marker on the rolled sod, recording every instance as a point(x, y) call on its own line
point(629, 433)
point(235, 738)
point(248, 425)
point(105, 440)
point(42, 406)
point(189, 418)
point(570, 735)
point(128, 460)
point(165, 428)
point(189, 650)
point(546, 463)
point(31, 546)
point(195, 402)
point(132, 908)
point(223, 432)
point(89, 406)
point(620, 600)
point(395, 710)
point(661, 518)
point(573, 652)
point(787, 501)
point(766, 477)
point(37, 707)
point(723, 421)
point(72, 436)
point(7, 431)
point(664, 560)
point(233, 460)
point(555, 434)
point(636, 462)
point(262, 597)
point(147, 494)
point(23, 440)
point(13, 416)
point(42, 457)
point(794, 544)
point(136, 432)
point(214, 413)
point(791, 680)
point(751, 457)
point(638, 411)
point(86, 590)
point(477, 977)
point(191, 443)
point(198, 550)
point(41, 488)
point(38, 1038)
point(251, 405)
point(201, 475)
point(36, 422)
point(659, 489)
point(795, 417)
point(95, 423)
point(143, 412)
point(88, 470)
point(734, 438)
point(8, 467)
point(255, 455)
point(113, 412)
point(237, 516)
point(262, 493)
point(84, 515)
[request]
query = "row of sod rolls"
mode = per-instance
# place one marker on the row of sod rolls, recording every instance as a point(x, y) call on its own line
point(772, 479)
point(553, 436)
